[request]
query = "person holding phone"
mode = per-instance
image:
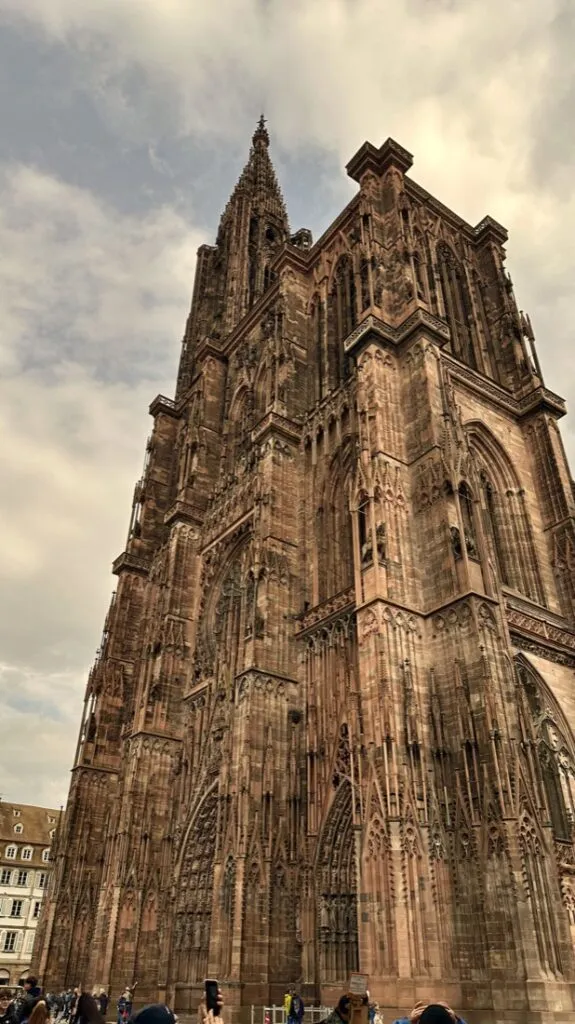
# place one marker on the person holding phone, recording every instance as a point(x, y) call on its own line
point(211, 1005)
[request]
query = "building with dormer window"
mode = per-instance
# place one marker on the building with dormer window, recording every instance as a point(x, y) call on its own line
point(25, 837)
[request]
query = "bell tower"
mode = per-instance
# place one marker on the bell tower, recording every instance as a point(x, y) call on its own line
point(235, 272)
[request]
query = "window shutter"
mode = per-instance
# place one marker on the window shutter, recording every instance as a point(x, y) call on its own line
point(1, 907)
point(2, 938)
point(18, 943)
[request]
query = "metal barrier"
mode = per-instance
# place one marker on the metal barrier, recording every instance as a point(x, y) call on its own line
point(277, 1014)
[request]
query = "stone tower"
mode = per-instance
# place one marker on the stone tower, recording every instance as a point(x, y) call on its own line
point(330, 724)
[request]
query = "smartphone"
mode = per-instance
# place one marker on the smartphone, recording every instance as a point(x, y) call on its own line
point(212, 989)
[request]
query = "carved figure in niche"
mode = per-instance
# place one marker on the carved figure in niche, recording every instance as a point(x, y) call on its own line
point(378, 282)
point(367, 550)
point(324, 921)
point(470, 545)
point(456, 541)
point(380, 536)
point(419, 277)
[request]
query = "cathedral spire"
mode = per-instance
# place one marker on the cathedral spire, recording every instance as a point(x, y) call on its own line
point(258, 182)
point(261, 133)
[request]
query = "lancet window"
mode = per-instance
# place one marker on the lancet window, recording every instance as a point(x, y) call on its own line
point(550, 749)
point(337, 896)
point(468, 520)
point(334, 537)
point(505, 516)
point(342, 317)
point(317, 325)
point(240, 422)
point(457, 304)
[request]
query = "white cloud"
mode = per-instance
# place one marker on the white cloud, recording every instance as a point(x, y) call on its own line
point(92, 305)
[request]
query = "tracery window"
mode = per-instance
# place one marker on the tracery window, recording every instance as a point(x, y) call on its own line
point(334, 536)
point(342, 317)
point(505, 516)
point(317, 322)
point(466, 506)
point(492, 510)
point(457, 303)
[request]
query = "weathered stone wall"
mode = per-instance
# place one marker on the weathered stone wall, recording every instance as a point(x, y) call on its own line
point(331, 726)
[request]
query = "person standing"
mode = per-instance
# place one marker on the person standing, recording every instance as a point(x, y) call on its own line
point(296, 1009)
point(7, 1008)
point(87, 1010)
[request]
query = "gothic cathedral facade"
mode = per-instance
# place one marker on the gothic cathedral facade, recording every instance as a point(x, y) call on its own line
point(331, 724)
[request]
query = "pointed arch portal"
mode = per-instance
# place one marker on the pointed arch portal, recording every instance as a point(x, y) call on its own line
point(337, 893)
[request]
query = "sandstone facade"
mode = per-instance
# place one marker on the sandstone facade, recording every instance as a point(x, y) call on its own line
point(331, 722)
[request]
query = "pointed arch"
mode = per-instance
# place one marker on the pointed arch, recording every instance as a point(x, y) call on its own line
point(341, 317)
point(194, 882)
point(317, 347)
point(552, 743)
point(240, 420)
point(255, 920)
point(334, 537)
point(538, 890)
point(336, 875)
point(377, 875)
point(420, 267)
point(505, 516)
point(457, 304)
point(263, 388)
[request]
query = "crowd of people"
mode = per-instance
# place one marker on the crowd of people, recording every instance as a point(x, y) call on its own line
point(32, 1006)
point(422, 1013)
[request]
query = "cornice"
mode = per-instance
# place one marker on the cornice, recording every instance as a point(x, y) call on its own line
point(323, 613)
point(542, 400)
point(275, 423)
point(419, 320)
point(183, 511)
point(487, 228)
point(379, 160)
point(129, 562)
point(161, 404)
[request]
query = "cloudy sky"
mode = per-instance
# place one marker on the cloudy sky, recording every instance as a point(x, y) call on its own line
point(123, 126)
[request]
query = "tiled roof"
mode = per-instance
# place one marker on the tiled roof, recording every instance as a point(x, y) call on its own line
point(35, 821)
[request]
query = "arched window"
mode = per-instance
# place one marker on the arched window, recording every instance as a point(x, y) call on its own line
point(240, 424)
point(45, 856)
point(364, 278)
point(342, 318)
point(505, 515)
point(419, 267)
point(26, 853)
point(491, 505)
point(457, 303)
point(317, 359)
point(18, 828)
point(334, 536)
point(547, 732)
point(364, 531)
point(466, 506)
point(11, 852)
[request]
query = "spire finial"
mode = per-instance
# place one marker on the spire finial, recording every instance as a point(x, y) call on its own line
point(261, 133)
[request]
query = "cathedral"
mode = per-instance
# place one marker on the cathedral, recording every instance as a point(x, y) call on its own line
point(331, 723)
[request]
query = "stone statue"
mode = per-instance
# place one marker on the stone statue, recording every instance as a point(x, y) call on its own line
point(456, 541)
point(380, 534)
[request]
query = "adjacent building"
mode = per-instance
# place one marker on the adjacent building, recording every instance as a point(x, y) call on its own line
point(331, 723)
point(26, 835)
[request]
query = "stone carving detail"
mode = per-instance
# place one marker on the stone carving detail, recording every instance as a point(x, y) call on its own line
point(308, 730)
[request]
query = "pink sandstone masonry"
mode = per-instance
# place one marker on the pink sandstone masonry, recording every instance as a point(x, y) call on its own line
point(330, 725)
